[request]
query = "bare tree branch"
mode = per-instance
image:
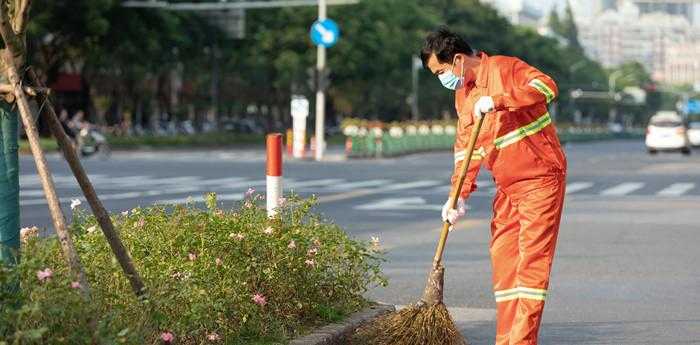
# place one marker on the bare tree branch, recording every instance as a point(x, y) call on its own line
point(21, 16)
point(8, 33)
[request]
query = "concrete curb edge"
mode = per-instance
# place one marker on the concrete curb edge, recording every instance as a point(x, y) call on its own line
point(334, 334)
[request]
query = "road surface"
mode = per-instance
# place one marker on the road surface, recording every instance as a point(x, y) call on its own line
point(625, 270)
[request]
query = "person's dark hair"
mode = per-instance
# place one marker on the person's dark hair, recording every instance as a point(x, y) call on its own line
point(445, 44)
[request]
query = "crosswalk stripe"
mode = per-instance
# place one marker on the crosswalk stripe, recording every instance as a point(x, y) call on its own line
point(114, 196)
point(309, 183)
point(411, 185)
point(676, 189)
point(622, 189)
point(577, 187)
point(359, 184)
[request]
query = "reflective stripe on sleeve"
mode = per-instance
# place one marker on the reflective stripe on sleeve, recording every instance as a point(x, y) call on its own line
point(543, 88)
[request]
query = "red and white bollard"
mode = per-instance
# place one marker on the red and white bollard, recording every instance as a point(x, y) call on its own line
point(274, 172)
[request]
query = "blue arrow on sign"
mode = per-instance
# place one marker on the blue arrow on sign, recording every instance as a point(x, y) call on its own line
point(693, 106)
point(325, 33)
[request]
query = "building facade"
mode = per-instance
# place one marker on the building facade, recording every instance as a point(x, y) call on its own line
point(518, 12)
point(628, 33)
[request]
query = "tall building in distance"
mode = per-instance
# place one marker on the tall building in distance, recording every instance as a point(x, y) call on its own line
point(518, 12)
point(652, 33)
point(682, 8)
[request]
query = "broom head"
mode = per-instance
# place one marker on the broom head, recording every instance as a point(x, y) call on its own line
point(425, 323)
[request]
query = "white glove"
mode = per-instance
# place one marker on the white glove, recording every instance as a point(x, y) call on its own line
point(483, 105)
point(451, 215)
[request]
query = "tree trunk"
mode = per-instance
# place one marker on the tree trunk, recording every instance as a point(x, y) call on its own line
point(9, 185)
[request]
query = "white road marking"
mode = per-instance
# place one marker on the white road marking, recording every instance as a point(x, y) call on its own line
point(676, 189)
point(34, 193)
point(359, 184)
point(410, 185)
point(577, 187)
point(309, 183)
point(622, 189)
point(411, 203)
point(115, 196)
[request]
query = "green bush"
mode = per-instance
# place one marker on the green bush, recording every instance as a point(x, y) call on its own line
point(213, 276)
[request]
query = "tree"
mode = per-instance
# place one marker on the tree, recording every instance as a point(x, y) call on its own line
point(553, 22)
point(132, 70)
point(570, 31)
point(13, 16)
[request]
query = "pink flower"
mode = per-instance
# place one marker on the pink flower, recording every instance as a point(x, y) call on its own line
point(213, 337)
point(44, 275)
point(281, 201)
point(375, 241)
point(269, 230)
point(310, 263)
point(312, 252)
point(292, 244)
point(219, 262)
point(167, 337)
point(192, 256)
point(75, 285)
point(250, 192)
point(259, 299)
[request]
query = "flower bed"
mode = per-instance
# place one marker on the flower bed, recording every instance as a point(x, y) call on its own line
point(213, 276)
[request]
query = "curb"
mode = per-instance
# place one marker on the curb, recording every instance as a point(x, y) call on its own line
point(335, 334)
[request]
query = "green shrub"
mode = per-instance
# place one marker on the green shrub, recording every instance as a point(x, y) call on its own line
point(235, 275)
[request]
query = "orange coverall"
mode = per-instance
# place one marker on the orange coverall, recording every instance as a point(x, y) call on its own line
point(519, 144)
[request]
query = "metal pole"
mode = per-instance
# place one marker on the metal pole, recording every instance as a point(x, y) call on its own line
point(415, 67)
point(320, 92)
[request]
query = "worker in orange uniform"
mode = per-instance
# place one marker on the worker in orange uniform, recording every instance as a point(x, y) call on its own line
point(519, 144)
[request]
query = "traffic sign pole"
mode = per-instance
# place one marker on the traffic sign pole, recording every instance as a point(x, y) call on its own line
point(320, 92)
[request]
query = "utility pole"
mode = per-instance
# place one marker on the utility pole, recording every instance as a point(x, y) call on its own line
point(320, 92)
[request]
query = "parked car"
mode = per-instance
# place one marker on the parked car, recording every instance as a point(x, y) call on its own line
point(694, 133)
point(667, 132)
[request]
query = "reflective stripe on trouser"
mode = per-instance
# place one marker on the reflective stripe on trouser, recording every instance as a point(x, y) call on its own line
point(514, 136)
point(523, 238)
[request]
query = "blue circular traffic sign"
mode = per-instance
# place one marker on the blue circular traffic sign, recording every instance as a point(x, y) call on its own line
point(325, 33)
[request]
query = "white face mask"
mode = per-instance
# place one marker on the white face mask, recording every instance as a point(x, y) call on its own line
point(450, 80)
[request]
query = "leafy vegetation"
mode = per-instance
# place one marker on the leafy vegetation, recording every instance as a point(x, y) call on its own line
point(213, 276)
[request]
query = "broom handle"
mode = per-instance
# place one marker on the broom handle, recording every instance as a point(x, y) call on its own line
point(462, 176)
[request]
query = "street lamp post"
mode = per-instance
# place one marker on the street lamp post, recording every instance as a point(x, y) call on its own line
point(320, 92)
point(416, 65)
point(612, 79)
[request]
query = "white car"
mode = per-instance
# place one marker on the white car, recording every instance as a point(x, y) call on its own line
point(694, 133)
point(667, 132)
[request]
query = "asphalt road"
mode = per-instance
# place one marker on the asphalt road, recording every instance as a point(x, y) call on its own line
point(625, 270)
